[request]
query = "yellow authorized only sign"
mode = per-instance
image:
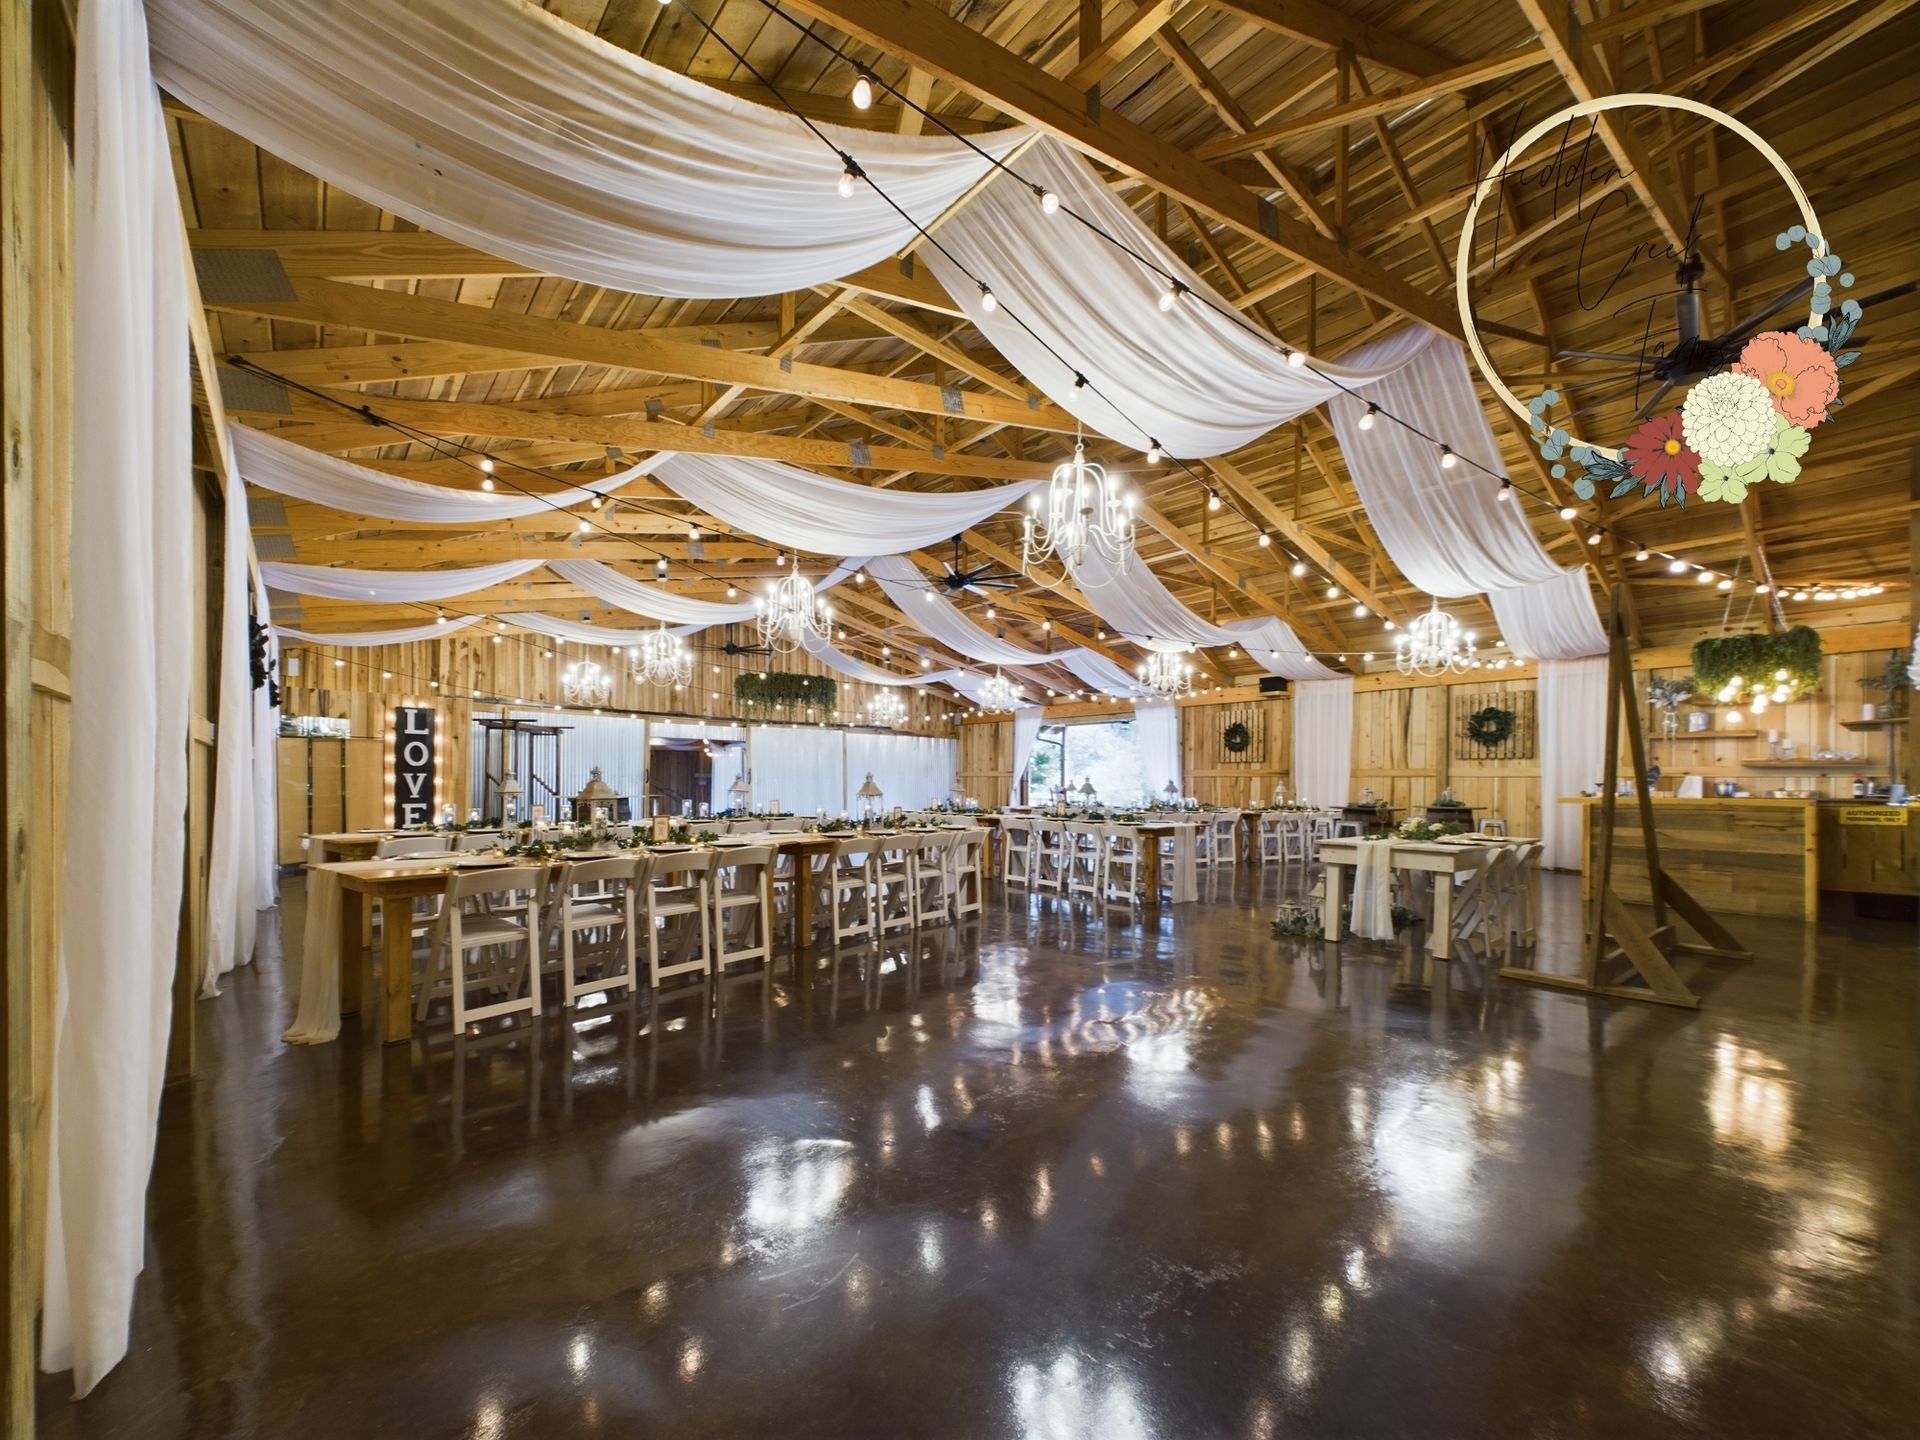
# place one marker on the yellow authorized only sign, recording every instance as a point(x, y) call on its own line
point(1873, 815)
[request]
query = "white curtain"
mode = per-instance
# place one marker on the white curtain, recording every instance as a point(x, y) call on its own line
point(936, 615)
point(390, 586)
point(503, 127)
point(913, 770)
point(1323, 741)
point(1156, 730)
point(727, 752)
point(1097, 672)
point(799, 768)
point(581, 633)
point(1026, 734)
point(1446, 526)
point(232, 873)
point(798, 508)
point(364, 639)
point(266, 772)
point(131, 573)
point(657, 602)
point(1188, 377)
point(289, 469)
point(1573, 744)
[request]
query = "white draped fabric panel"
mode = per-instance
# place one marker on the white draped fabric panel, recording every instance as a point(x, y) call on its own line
point(365, 639)
point(503, 127)
point(266, 771)
point(658, 602)
point(1097, 672)
point(1573, 750)
point(1026, 734)
point(798, 768)
point(1156, 731)
point(1189, 377)
point(805, 511)
point(1323, 741)
point(131, 572)
point(581, 633)
point(913, 770)
point(289, 469)
point(936, 615)
point(1446, 528)
point(232, 876)
point(390, 586)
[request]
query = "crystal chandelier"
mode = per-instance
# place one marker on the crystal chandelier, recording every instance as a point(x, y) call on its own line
point(792, 616)
point(887, 708)
point(1433, 644)
point(1167, 673)
point(585, 683)
point(662, 658)
point(1081, 508)
point(1000, 693)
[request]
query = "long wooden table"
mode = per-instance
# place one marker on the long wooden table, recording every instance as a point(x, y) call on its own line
point(1442, 862)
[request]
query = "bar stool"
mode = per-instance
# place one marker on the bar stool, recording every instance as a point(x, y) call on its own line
point(1493, 825)
point(597, 896)
point(742, 888)
point(968, 884)
point(679, 905)
point(481, 929)
point(850, 882)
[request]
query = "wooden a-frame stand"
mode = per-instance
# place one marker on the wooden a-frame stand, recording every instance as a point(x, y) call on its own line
point(1614, 933)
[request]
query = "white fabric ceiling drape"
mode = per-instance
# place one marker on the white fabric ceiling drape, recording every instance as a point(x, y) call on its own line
point(1156, 731)
point(232, 876)
point(289, 469)
point(366, 639)
point(503, 127)
point(1573, 750)
point(1323, 741)
point(902, 582)
point(1026, 734)
point(1188, 377)
point(581, 633)
point(1446, 527)
point(131, 573)
point(390, 586)
point(657, 602)
point(798, 508)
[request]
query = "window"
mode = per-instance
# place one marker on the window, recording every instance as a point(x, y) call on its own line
point(1065, 757)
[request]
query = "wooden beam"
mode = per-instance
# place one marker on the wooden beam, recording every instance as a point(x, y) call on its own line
point(922, 34)
point(902, 328)
point(389, 312)
point(1110, 52)
point(1330, 27)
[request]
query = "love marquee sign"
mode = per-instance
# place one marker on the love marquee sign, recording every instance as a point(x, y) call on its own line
point(414, 765)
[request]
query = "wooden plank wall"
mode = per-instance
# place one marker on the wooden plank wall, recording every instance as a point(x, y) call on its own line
point(986, 760)
point(1214, 775)
point(36, 407)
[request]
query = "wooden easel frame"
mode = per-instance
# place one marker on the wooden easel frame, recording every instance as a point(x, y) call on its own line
point(1649, 951)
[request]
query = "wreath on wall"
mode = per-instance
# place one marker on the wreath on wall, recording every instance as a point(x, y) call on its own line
point(1490, 727)
point(1236, 737)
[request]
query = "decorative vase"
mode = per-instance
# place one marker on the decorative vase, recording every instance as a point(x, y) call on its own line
point(1669, 721)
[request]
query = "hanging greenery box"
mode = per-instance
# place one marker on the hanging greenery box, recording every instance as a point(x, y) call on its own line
point(1758, 659)
point(785, 695)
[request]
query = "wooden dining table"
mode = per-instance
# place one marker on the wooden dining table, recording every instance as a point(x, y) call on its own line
point(1438, 859)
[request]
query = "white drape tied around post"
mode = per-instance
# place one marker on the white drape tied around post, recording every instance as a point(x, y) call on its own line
point(1026, 734)
point(131, 571)
point(390, 586)
point(233, 877)
point(797, 508)
point(1573, 729)
point(1323, 741)
point(289, 469)
point(495, 124)
point(1156, 731)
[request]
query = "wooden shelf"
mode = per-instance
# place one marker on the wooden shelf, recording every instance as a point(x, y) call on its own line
point(1872, 724)
point(1709, 735)
point(1808, 767)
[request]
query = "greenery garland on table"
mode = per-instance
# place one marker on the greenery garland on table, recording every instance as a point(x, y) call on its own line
point(1490, 727)
point(1757, 659)
point(763, 693)
point(1236, 738)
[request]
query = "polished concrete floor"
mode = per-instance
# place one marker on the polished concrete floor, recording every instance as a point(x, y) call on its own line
point(1056, 1175)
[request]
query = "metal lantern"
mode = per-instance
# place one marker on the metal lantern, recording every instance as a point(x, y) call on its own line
point(511, 793)
point(740, 793)
point(870, 796)
point(1086, 791)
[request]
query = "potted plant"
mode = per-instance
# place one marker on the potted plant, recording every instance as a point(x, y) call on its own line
point(1894, 679)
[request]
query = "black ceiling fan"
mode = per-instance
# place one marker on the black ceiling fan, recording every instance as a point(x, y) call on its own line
point(981, 577)
point(1693, 355)
point(733, 647)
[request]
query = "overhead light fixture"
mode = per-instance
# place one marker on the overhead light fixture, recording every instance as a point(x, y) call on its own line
point(1434, 644)
point(1082, 508)
point(662, 658)
point(792, 615)
point(1447, 458)
point(1166, 673)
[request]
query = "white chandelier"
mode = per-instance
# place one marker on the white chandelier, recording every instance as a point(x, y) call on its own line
point(585, 683)
point(887, 708)
point(1434, 644)
point(662, 658)
point(792, 616)
point(1082, 508)
point(1167, 673)
point(1000, 693)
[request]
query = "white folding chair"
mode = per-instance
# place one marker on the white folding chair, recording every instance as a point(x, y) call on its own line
point(1270, 843)
point(679, 914)
point(596, 899)
point(1086, 859)
point(850, 882)
point(969, 883)
point(934, 880)
point(894, 881)
point(1049, 856)
point(1017, 851)
point(470, 840)
point(743, 905)
point(412, 845)
point(479, 940)
point(1125, 873)
point(1224, 837)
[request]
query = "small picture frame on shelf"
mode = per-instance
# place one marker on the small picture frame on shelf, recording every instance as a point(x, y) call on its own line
point(1699, 721)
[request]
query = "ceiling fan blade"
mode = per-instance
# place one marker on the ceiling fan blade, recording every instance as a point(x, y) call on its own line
point(1599, 355)
point(1654, 404)
point(1793, 295)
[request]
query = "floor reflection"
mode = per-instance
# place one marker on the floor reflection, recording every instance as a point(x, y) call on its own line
point(1056, 1172)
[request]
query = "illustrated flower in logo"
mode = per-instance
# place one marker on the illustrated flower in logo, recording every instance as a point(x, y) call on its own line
point(1660, 459)
point(1779, 462)
point(1727, 419)
point(1800, 375)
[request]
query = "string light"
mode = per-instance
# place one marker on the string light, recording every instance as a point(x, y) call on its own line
point(1296, 359)
point(1213, 500)
point(848, 177)
point(862, 91)
point(1678, 567)
point(1567, 512)
point(1265, 539)
point(1506, 491)
point(987, 302)
point(1153, 452)
point(1366, 420)
point(1593, 538)
point(1447, 458)
point(1299, 569)
point(1170, 296)
point(1049, 202)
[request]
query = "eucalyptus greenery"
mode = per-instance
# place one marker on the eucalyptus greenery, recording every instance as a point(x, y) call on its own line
point(1757, 658)
point(1670, 692)
point(779, 692)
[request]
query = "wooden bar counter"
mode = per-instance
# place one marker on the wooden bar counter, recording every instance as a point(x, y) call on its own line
point(1736, 856)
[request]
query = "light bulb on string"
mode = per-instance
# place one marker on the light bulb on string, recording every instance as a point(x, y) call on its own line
point(1705, 577)
point(987, 302)
point(1677, 567)
point(1213, 500)
point(1265, 540)
point(1506, 491)
point(1366, 420)
point(1296, 359)
point(1447, 458)
point(1299, 569)
point(862, 92)
point(847, 178)
point(1642, 553)
point(1049, 202)
point(1593, 538)
point(1170, 296)
point(1153, 452)
point(1567, 512)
